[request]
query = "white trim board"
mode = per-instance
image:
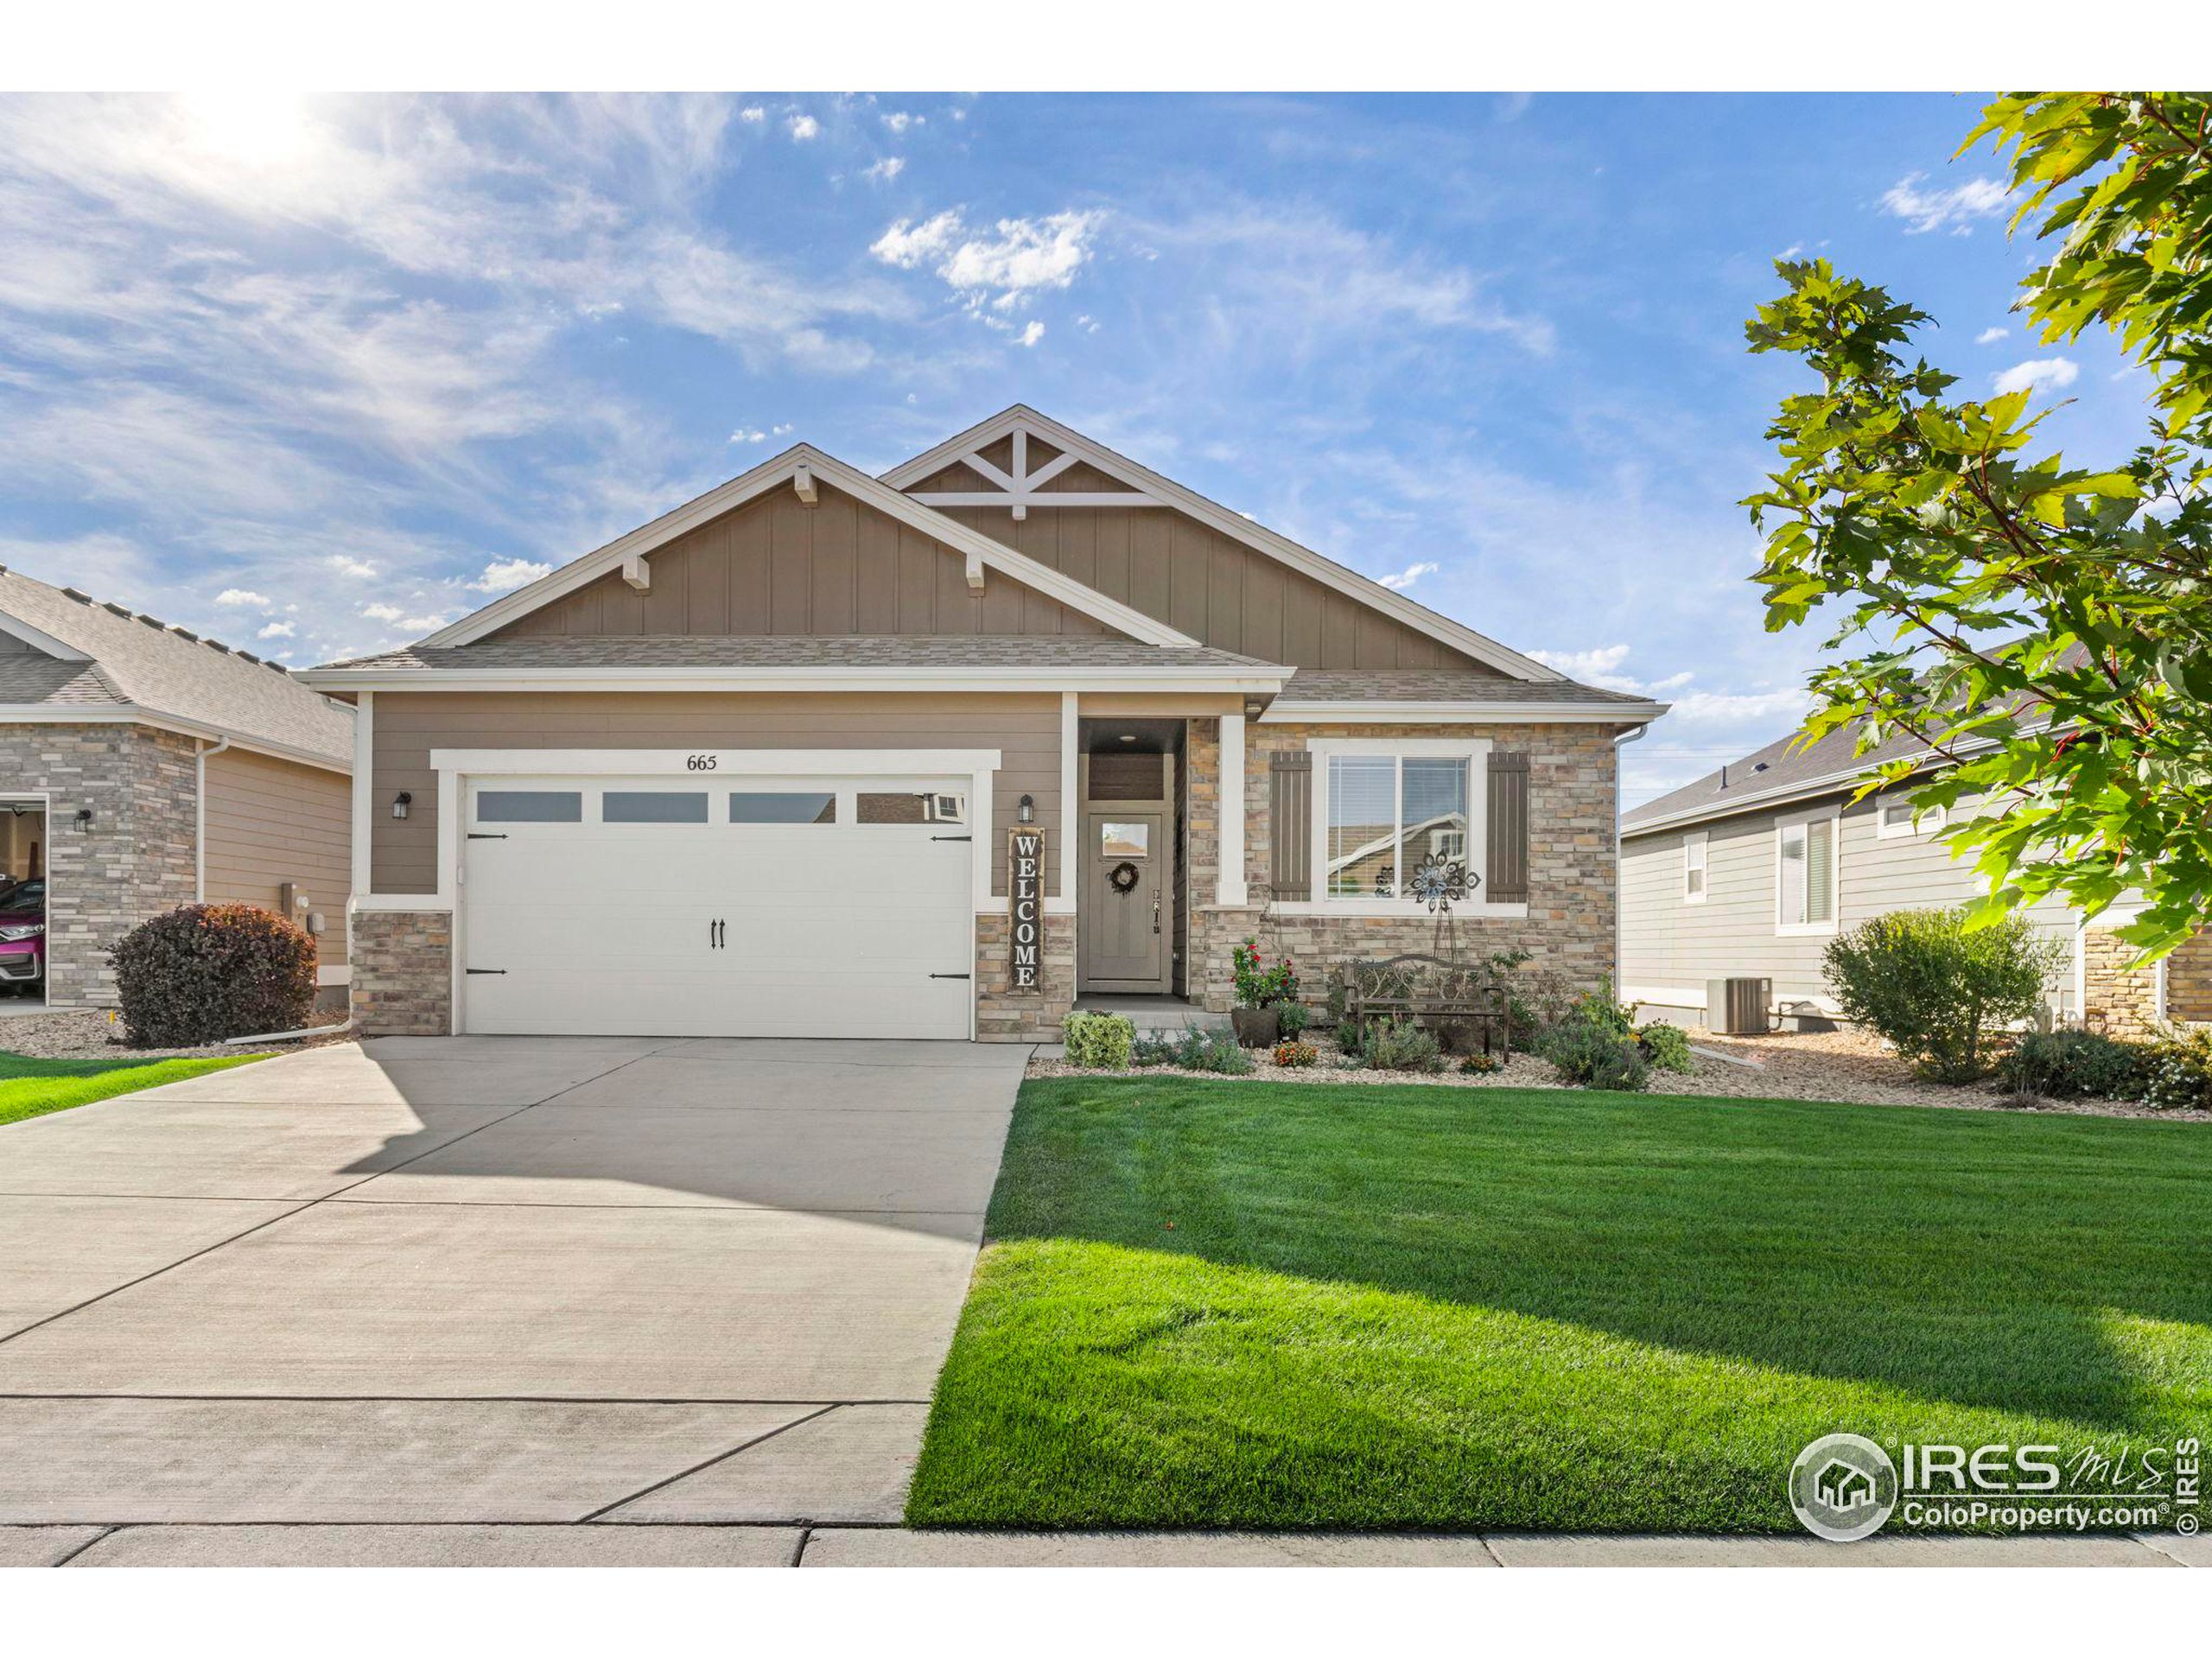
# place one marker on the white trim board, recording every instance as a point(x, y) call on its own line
point(131, 713)
point(1167, 675)
point(1021, 418)
point(981, 551)
point(1288, 710)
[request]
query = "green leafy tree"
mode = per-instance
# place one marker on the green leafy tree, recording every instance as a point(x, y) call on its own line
point(2045, 629)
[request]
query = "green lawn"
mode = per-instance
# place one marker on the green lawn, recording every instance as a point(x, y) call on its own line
point(1233, 1304)
point(32, 1088)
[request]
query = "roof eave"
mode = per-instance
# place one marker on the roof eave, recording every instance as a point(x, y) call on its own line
point(131, 714)
point(1443, 712)
point(1258, 677)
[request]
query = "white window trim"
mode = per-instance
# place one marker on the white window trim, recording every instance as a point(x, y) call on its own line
point(1701, 840)
point(1833, 817)
point(1474, 750)
point(1921, 823)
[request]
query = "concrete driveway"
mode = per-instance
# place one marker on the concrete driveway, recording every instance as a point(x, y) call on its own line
point(495, 1281)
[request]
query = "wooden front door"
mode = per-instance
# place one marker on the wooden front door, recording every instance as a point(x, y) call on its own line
point(1124, 924)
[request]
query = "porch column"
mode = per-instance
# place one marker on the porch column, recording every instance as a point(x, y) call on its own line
point(1231, 848)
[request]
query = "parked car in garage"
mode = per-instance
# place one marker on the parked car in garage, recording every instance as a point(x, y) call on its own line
point(22, 935)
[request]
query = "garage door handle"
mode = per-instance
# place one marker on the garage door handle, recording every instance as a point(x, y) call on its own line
point(952, 837)
point(477, 835)
point(484, 970)
point(952, 975)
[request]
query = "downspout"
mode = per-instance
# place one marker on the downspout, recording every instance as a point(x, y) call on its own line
point(199, 823)
point(1634, 734)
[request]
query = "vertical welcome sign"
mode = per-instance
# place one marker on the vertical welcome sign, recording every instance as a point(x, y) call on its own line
point(1024, 885)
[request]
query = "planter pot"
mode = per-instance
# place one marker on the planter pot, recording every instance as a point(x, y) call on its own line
point(1256, 1027)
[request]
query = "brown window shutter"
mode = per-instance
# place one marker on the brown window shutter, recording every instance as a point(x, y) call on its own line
point(1290, 822)
point(1506, 882)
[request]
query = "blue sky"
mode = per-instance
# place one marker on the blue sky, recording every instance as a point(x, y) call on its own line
point(313, 376)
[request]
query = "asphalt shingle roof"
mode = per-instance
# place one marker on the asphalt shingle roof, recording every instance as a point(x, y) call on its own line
point(139, 662)
point(1438, 685)
point(1776, 767)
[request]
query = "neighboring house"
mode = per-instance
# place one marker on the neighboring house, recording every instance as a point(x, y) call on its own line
point(143, 767)
point(1749, 872)
point(756, 768)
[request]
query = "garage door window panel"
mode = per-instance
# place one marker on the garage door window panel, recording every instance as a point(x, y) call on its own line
point(783, 806)
point(653, 806)
point(530, 806)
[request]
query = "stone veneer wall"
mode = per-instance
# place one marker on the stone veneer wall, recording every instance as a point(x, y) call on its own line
point(403, 972)
point(1004, 1016)
point(2188, 980)
point(1572, 882)
point(136, 859)
point(2119, 1001)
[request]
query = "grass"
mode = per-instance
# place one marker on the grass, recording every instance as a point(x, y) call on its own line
point(1245, 1305)
point(31, 1088)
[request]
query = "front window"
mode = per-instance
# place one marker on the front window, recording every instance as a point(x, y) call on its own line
point(1806, 872)
point(1388, 814)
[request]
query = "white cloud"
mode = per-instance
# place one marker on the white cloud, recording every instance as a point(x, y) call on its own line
point(422, 624)
point(1594, 666)
point(1935, 210)
point(780, 429)
point(885, 170)
point(502, 576)
point(899, 120)
point(744, 435)
point(802, 128)
point(1406, 578)
point(2037, 374)
point(1015, 258)
point(752, 115)
point(277, 630)
point(241, 596)
point(381, 613)
point(1031, 335)
point(1991, 336)
point(350, 567)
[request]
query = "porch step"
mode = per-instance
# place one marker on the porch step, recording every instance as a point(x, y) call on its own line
point(1154, 1013)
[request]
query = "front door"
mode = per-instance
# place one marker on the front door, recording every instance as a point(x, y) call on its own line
point(1124, 922)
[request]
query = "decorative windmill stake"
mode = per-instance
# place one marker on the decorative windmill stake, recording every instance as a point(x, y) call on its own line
point(1439, 883)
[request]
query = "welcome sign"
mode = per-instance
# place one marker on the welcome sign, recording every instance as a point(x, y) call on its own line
point(1025, 884)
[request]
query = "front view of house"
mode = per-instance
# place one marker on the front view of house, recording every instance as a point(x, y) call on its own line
point(820, 754)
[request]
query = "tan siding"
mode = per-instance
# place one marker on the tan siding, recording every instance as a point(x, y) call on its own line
point(270, 822)
point(1209, 586)
point(777, 567)
point(1024, 727)
point(1668, 942)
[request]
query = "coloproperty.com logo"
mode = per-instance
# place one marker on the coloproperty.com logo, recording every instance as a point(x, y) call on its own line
point(1846, 1487)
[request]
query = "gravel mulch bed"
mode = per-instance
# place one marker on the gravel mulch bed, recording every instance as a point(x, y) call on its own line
point(89, 1034)
point(1838, 1065)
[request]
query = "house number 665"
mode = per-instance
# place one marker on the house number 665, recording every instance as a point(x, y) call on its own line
point(700, 762)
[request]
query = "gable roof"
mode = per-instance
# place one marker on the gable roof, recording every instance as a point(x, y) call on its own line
point(1770, 776)
point(90, 660)
point(982, 553)
point(1163, 491)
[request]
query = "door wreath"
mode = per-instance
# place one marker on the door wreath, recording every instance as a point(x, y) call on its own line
point(1122, 878)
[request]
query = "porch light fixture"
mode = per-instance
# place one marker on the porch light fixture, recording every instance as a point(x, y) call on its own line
point(400, 803)
point(1128, 737)
point(1029, 809)
point(83, 820)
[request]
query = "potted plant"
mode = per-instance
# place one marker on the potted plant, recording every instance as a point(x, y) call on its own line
point(1261, 994)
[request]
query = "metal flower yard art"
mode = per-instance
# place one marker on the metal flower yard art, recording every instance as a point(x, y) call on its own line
point(1439, 883)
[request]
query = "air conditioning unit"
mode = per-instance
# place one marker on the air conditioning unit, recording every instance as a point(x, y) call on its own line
point(1737, 1007)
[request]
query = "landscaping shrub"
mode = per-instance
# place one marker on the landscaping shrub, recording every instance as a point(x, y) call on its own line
point(2068, 1064)
point(1296, 1052)
point(204, 973)
point(1595, 1055)
point(1940, 995)
point(1666, 1047)
point(1212, 1051)
point(1292, 1018)
point(1152, 1048)
point(1099, 1042)
point(1480, 1065)
point(2178, 1073)
point(1400, 1045)
point(1598, 1009)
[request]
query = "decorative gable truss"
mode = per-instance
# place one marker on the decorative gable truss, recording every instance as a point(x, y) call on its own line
point(1014, 468)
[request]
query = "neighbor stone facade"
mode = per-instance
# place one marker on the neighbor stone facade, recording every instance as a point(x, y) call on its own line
point(131, 860)
point(2116, 999)
point(1569, 927)
point(2188, 980)
point(403, 972)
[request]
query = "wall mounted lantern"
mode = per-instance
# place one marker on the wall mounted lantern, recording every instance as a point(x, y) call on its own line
point(400, 803)
point(1029, 809)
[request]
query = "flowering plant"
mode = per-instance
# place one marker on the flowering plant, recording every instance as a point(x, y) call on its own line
point(1259, 987)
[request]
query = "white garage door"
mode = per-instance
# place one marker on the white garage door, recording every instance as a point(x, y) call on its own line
point(760, 907)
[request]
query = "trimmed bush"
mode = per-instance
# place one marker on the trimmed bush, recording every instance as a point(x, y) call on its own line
point(1941, 995)
point(1595, 1055)
point(205, 973)
point(2069, 1064)
point(1666, 1047)
point(2179, 1074)
point(1099, 1042)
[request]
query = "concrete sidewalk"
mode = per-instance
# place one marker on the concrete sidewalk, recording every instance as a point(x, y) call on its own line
point(603, 1545)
